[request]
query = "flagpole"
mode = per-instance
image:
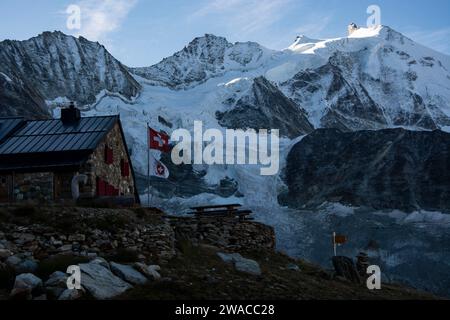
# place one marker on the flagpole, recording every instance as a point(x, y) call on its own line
point(334, 243)
point(148, 165)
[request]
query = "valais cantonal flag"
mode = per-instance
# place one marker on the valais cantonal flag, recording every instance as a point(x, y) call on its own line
point(158, 140)
point(158, 169)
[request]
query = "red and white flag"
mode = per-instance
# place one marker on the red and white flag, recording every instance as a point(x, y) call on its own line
point(158, 169)
point(158, 140)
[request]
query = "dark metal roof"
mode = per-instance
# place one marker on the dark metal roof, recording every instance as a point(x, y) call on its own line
point(8, 125)
point(49, 136)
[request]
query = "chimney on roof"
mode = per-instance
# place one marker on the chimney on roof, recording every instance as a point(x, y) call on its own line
point(70, 115)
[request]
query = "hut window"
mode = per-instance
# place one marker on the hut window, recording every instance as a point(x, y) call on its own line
point(125, 168)
point(109, 155)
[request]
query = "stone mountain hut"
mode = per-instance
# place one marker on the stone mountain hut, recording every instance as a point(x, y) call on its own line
point(72, 158)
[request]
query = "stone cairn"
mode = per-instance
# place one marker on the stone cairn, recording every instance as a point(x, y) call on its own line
point(362, 263)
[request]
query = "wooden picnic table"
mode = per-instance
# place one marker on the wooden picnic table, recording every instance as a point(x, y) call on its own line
point(223, 206)
point(222, 210)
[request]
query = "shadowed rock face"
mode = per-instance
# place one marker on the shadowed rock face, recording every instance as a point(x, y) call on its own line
point(266, 107)
point(386, 169)
point(350, 107)
point(18, 99)
point(54, 65)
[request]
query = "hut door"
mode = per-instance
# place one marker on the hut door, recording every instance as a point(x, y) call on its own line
point(5, 188)
point(57, 186)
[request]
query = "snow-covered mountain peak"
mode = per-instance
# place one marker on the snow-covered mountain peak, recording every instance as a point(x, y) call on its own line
point(204, 58)
point(207, 47)
point(374, 74)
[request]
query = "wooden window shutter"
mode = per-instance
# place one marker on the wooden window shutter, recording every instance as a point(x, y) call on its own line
point(109, 155)
point(101, 187)
point(125, 168)
point(109, 190)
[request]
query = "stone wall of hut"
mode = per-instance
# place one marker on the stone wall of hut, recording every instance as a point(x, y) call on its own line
point(97, 168)
point(33, 186)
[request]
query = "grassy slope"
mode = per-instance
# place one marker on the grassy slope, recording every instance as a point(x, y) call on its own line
point(198, 273)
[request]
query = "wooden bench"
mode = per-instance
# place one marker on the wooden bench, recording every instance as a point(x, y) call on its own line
point(229, 207)
point(222, 211)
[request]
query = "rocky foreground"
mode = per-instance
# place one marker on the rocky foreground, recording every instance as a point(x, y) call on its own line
point(144, 254)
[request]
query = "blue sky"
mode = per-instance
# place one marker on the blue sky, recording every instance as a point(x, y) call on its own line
point(142, 32)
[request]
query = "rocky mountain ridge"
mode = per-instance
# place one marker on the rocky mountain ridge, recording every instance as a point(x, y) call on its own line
point(56, 67)
point(204, 58)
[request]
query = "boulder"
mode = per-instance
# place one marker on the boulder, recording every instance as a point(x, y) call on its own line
point(100, 282)
point(21, 265)
point(151, 272)
point(23, 238)
point(248, 266)
point(27, 266)
point(241, 264)
point(65, 248)
point(24, 285)
point(77, 238)
point(54, 292)
point(293, 267)
point(14, 260)
point(102, 262)
point(56, 284)
point(57, 279)
point(21, 294)
point(5, 253)
point(229, 257)
point(128, 273)
point(70, 295)
point(154, 272)
point(345, 268)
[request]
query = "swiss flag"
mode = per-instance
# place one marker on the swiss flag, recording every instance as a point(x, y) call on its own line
point(158, 140)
